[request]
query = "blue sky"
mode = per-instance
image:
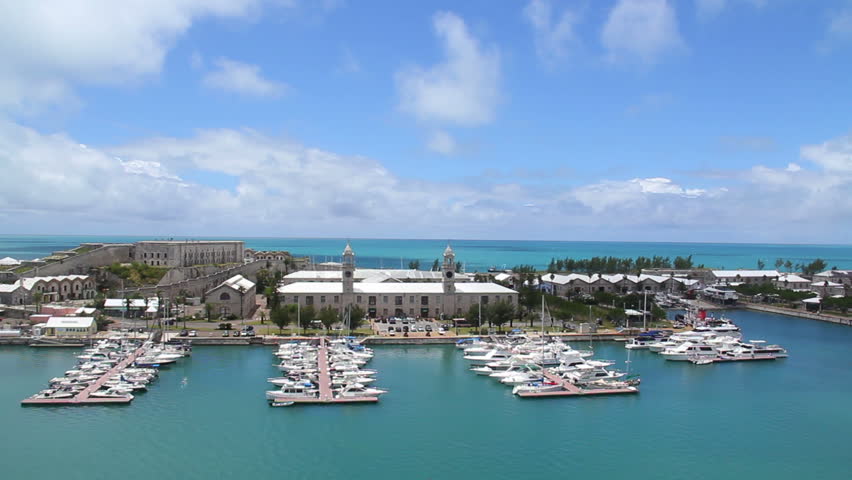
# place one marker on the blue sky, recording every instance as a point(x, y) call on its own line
point(693, 120)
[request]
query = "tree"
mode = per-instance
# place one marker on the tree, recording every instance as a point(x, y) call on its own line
point(272, 299)
point(328, 316)
point(37, 298)
point(280, 316)
point(414, 264)
point(472, 315)
point(760, 264)
point(814, 267)
point(208, 312)
point(306, 316)
point(779, 262)
point(436, 265)
point(788, 265)
point(356, 317)
point(500, 313)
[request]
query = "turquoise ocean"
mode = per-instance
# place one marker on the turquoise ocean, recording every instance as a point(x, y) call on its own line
point(207, 418)
point(479, 255)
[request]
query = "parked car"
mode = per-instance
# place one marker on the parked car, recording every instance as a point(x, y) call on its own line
point(421, 328)
point(193, 333)
point(237, 333)
point(391, 332)
point(428, 328)
point(442, 331)
point(226, 334)
point(183, 333)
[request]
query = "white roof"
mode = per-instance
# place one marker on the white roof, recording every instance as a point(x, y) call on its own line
point(391, 288)
point(70, 322)
point(9, 261)
point(370, 275)
point(238, 282)
point(812, 300)
point(831, 273)
point(85, 311)
point(792, 278)
point(826, 283)
point(745, 273)
point(29, 283)
point(8, 287)
point(134, 302)
point(616, 278)
point(502, 277)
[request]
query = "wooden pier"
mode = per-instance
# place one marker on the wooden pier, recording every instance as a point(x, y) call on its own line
point(84, 397)
point(571, 390)
point(326, 395)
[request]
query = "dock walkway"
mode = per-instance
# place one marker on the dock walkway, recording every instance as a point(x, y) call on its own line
point(570, 390)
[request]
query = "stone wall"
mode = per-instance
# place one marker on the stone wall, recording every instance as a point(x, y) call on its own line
point(80, 264)
point(198, 286)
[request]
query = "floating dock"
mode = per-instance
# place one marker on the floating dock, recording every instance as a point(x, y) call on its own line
point(571, 390)
point(84, 397)
point(326, 396)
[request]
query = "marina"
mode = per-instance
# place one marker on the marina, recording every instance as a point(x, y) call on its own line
point(109, 373)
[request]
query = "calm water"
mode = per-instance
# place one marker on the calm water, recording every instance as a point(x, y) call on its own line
point(478, 255)
point(207, 418)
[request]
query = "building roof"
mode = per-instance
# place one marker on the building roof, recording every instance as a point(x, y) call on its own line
point(238, 283)
point(826, 283)
point(792, 278)
point(502, 277)
point(373, 275)
point(30, 282)
point(70, 322)
point(348, 250)
point(745, 273)
point(9, 261)
point(134, 302)
point(832, 273)
point(391, 288)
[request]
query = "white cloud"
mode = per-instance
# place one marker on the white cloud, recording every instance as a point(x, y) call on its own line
point(641, 29)
point(708, 9)
point(54, 183)
point(442, 142)
point(242, 78)
point(464, 89)
point(840, 25)
point(554, 37)
point(49, 47)
point(834, 155)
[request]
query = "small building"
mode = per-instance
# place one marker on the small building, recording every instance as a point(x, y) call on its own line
point(234, 296)
point(70, 327)
point(791, 281)
point(56, 288)
point(744, 276)
point(9, 262)
point(836, 276)
point(131, 307)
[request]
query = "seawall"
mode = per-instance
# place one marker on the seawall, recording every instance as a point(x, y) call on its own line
point(796, 313)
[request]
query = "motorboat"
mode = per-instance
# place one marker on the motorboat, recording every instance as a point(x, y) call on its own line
point(538, 387)
point(294, 392)
point(112, 392)
point(357, 390)
point(587, 374)
point(690, 350)
point(754, 350)
point(490, 356)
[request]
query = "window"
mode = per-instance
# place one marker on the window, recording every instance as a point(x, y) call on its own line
point(224, 296)
point(336, 299)
point(424, 300)
point(411, 311)
point(309, 300)
point(397, 300)
point(295, 299)
point(483, 299)
point(358, 299)
point(411, 299)
point(371, 300)
point(385, 299)
point(158, 256)
point(322, 298)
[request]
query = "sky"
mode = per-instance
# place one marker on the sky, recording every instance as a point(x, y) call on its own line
point(624, 120)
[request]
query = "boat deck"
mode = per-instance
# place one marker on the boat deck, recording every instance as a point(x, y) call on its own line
point(571, 390)
point(326, 395)
point(84, 397)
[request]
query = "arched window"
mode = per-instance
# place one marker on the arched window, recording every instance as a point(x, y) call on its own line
point(224, 296)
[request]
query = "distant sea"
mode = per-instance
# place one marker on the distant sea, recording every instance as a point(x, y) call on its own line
point(477, 255)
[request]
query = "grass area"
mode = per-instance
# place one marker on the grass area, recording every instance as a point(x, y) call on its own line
point(85, 249)
point(138, 273)
point(22, 269)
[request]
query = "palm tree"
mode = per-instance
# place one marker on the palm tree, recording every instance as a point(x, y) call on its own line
point(37, 298)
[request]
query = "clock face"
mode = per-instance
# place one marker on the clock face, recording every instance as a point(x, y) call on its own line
point(348, 274)
point(449, 274)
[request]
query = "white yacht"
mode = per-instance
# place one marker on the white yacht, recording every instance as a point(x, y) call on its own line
point(293, 392)
point(689, 351)
point(754, 350)
point(490, 356)
point(538, 387)
point(357, 390)
point(112, 392)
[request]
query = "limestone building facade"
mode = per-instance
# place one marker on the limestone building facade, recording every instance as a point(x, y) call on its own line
point(178, 253)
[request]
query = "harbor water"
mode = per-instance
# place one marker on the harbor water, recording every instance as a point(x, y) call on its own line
point(479, 255)
point(206, 418)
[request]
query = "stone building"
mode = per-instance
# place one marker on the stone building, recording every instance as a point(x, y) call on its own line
point(431, 297)
point(186, 253)
point(58, 288)
point(235, 295)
